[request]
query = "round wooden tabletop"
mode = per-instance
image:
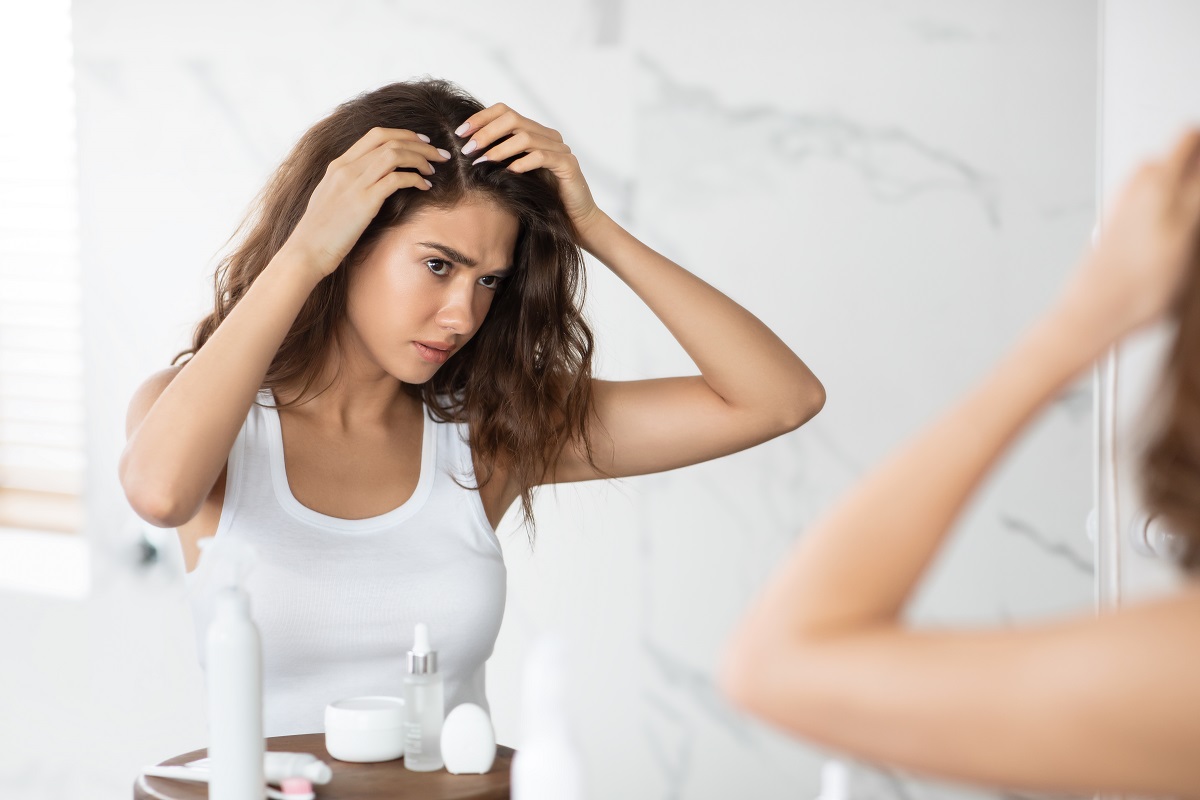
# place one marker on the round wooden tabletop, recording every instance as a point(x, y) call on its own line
point(351, 781)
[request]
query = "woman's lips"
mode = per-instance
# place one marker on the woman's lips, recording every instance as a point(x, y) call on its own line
point(432, 354)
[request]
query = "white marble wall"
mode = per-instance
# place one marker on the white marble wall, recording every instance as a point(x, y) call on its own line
point(895, 187)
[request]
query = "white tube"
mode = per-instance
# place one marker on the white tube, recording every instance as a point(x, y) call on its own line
point(280, 766)
point(199, 775)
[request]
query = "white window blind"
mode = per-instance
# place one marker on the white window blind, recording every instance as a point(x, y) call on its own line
point(41, 359)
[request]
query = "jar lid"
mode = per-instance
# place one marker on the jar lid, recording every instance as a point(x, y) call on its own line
point(365, 713)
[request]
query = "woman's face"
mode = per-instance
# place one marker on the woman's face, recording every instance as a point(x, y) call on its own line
point(427, 286)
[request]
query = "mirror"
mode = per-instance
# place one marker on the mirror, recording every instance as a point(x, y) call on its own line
point(896, 189)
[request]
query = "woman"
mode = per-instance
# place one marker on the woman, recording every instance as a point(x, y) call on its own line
point(1089, 704)
point(398, 353)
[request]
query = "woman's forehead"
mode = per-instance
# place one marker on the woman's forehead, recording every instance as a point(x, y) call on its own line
point(480, 230)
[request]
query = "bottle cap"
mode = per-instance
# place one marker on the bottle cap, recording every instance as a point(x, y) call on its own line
point(421, 659)
point(297, 789)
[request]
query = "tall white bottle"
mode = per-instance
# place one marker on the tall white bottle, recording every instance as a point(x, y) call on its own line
point(424, 706)
point(233, 666)
point(547, 765)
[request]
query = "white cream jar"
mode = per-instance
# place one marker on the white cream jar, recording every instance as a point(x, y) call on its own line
point(364, 729)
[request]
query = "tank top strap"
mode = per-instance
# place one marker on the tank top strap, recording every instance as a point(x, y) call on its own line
point(456, 470)
point(248, 478)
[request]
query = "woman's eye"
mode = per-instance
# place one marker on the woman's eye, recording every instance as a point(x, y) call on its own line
point(437, 266)
point(490, 281)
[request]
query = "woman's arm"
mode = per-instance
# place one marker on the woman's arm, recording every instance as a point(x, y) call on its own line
point(182, 424)
point(751, 386)
point(823, 652)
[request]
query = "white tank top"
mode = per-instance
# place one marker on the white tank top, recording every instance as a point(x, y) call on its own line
point(336, 600)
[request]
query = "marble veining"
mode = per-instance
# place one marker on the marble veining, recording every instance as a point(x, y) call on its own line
point(201, 71)
point(1061, 552)
point(896, 164)
point(699, 689)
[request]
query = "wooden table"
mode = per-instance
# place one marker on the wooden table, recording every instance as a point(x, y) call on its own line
point(351, 781)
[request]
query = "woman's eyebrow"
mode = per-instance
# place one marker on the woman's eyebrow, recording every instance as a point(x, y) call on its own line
point(458, 257)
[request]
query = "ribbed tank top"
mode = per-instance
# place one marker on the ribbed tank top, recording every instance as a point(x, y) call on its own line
point(336, 600)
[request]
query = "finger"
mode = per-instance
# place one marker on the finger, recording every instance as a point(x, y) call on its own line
point(377, 137)
point(503, 124)
point(480, 118)
point(561, 164)
point(393, 182)
point(392, 156)
point(428, 152)
point(1185, 161)
point(521, 142)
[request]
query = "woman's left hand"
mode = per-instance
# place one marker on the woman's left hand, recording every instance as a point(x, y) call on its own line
point(543, 148)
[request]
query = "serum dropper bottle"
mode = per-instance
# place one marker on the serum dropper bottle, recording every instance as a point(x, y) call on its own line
point(423, 706)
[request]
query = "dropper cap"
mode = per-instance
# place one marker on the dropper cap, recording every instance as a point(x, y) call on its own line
point(421, 659)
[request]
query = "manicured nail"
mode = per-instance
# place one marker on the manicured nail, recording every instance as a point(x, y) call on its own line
point(443, 153)
point(462, 129)
point(470, 148)
point(479, 160)
point(429, 183)
point(432, 168)
point(423, 138)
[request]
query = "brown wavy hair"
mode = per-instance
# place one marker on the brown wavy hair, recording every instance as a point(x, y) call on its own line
point(1170, 474)
point(523, 381)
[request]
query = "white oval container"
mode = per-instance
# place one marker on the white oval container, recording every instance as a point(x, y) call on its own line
point(365, 729)
point(468, 741)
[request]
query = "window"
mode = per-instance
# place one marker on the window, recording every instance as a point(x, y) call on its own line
point(41, 359)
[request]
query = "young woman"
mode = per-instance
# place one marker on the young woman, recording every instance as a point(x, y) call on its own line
point(1089, 704)
point(398, 353)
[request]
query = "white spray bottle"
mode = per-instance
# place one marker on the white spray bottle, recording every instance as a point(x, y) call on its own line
point(233, 666)
point(547, 765)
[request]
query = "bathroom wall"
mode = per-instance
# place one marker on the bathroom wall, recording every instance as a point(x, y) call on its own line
point(896, 188)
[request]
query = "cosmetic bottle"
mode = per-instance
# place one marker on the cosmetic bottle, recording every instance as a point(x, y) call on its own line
point(423, 706)
point(835, 781)
point(547, 765)
point(233, 667)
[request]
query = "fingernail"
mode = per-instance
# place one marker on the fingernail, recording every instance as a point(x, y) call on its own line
point(462, 129)
point(470, 148)
point(423, 138)
point(443, 153)
point(479, 160)
point(432, 168)
point(429, 183)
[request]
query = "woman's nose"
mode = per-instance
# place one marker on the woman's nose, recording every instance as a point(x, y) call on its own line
point(457, 313)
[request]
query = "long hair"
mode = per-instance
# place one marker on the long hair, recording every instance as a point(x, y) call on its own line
point(523, 382)
point(1170, 473)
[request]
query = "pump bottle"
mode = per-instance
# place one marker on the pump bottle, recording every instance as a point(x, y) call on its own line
point(424, 708)
point(548, 764)
point(233, 666)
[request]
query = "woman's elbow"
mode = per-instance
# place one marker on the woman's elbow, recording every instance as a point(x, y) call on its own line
point(157, 508)
point(741, 676)
point(153, 501)
point(807, 402)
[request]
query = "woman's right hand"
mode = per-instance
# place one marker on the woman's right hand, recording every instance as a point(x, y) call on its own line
point(353, 190)
point(1146, 246)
